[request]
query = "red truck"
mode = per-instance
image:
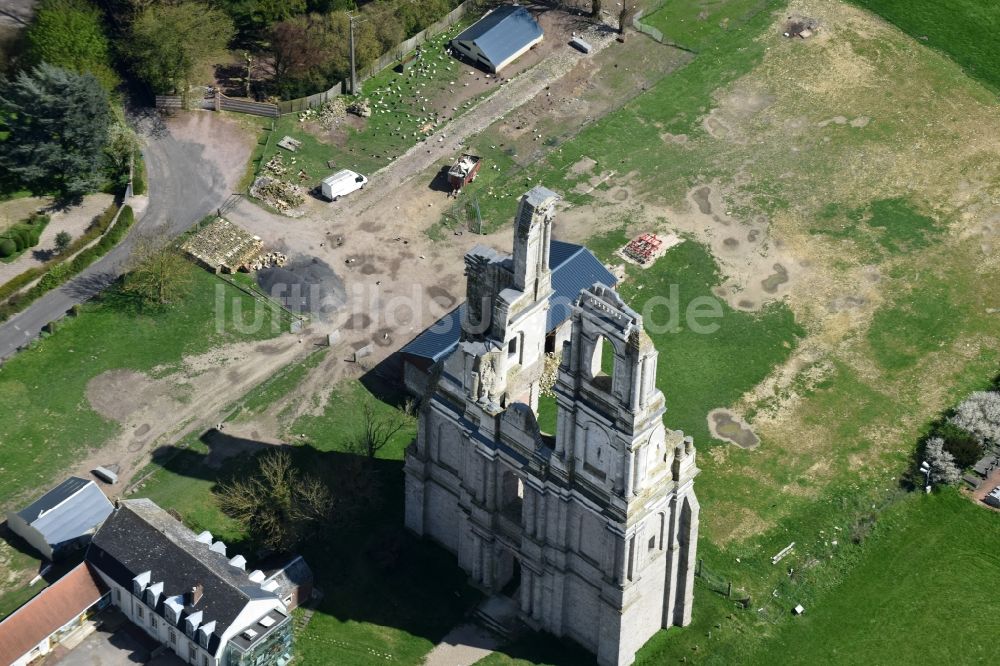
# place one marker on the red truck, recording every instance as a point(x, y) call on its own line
point(463, 172)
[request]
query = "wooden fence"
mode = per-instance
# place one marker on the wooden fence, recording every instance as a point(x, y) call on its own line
point(221, 102)
point(218, 102)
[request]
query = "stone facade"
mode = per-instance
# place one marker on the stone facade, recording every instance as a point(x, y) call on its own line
point(593, 531)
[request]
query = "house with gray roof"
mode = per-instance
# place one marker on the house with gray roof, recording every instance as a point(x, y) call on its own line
point(499, 38)
point(185, 591)
point(63, 519)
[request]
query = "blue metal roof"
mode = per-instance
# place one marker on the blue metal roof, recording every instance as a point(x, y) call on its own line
point(502, 33)
point(574, 268)
point(53, 498)
point(72, 509)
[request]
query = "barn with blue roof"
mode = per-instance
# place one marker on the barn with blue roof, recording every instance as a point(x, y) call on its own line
point(63, 519)
point(499, 38)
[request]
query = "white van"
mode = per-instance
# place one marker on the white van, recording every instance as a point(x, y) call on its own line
point(341, 184)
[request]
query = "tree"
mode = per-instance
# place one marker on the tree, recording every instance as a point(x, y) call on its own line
point(979, 415)
point(63, 239)
point(376, 429)
point(302, 47)
point(942, 464)
point(123, 145)
point(70, 34)
point(254, 18)
point(171, 45)
point(963, 445)
point(278, 505)
point(57, 127)
point(157, 274)
point(595, 8)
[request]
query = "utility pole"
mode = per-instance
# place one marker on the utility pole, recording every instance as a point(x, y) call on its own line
point(354, 76)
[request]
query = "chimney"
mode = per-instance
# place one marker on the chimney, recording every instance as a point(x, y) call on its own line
point(195, 594)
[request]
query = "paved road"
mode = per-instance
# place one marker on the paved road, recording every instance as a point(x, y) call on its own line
point(183, 187)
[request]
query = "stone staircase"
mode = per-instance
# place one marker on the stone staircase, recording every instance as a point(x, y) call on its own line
point(498, 614)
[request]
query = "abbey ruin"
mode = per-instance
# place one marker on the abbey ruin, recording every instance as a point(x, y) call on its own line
point(592, 531)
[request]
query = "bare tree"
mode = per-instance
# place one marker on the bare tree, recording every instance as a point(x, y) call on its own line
point(595, 7)
point(278, 505)
point(157, 272)
point(376, 430)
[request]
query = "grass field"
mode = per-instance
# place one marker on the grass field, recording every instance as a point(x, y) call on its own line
point(832, 142)
point(42, 431)
point(965, 30)
point(917, 592)
point(695, 24)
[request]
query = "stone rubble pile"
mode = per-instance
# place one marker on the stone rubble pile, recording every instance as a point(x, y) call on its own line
point(269, 260)
point(327, 115)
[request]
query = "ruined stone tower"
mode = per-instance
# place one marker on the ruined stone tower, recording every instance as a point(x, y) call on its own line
point(592, 531)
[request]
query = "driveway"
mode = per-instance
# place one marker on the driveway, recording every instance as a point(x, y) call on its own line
point(193, 164)
point(127, 646)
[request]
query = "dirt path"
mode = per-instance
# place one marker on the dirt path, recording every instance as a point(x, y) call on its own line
point(158, 412)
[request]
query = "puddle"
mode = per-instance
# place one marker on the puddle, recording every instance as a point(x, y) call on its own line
point(771, 283)
point(727, 426)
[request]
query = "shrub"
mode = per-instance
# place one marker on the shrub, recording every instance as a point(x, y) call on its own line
point(963, 445)
point(139, 177)
point(7, 248)
point(57, 272)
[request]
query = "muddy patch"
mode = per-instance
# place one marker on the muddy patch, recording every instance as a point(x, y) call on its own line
point(701, 198)
point(779, 277)
point(358, 322)
point(727, 426)
point(441, 297)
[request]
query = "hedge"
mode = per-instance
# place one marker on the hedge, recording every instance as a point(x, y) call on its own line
point(56, 273)
point(139, 175)
point(23, 235)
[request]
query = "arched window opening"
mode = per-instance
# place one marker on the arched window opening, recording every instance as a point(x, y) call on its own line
point(602, 364)
point(512, 499)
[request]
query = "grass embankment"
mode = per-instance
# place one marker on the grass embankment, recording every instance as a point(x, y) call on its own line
point(964, 30)
point(696, 24)
point(386, 594)
point(46, 421)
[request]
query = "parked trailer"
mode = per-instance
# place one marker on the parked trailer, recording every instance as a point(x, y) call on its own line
point(463, 172)
point(105, 474)
point(342, 183)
